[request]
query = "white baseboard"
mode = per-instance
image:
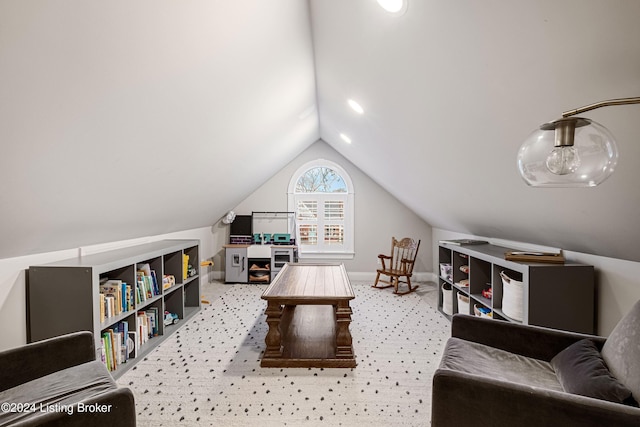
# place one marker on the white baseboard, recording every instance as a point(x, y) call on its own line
point(355, 276)
point(369, 276)
point(426, 277)
point(217, 275)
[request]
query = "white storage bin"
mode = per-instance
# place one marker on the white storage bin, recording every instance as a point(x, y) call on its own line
point(512, 297)
point(482, 312)
point(447, 299)
point(463, 304)
point(445, 271)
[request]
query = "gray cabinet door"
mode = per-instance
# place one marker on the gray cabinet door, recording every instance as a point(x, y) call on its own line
point(236, 265)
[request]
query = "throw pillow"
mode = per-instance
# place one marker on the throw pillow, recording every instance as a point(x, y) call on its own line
point(620, 351)
point(581, 370)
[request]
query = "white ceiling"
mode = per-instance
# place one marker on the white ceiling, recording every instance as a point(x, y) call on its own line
point(451, 89)
point(125, 119)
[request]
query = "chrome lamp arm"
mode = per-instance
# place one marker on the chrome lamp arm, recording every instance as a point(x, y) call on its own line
point(608, 103)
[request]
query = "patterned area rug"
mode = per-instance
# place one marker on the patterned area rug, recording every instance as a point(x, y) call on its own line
point(208, 372)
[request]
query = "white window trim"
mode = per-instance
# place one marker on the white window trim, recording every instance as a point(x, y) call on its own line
point(347, 252)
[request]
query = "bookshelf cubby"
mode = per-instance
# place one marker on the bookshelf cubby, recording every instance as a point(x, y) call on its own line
point(65, 296)
point(559, 296)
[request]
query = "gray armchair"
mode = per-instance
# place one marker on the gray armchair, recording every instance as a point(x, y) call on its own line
point(59, 382)
point(498, 374)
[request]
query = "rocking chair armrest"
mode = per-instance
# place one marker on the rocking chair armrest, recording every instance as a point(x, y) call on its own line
point(382, 258)
point(407, 262)
point(406, 265)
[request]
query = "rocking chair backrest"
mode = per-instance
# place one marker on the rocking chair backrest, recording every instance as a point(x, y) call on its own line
point(402, 251)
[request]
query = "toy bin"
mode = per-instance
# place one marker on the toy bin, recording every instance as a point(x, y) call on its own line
point(512, 297)
point(481, 311)
point(463, 304)
point(445, 271)
point(447, 299)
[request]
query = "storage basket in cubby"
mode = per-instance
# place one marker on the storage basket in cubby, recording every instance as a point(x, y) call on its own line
point(445, 271)
point(512, 297)
point(463, 304)
point(482, 311)
point(447, 299)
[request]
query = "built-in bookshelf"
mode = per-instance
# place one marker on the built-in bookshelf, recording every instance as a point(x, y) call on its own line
point(121, 296)
point(554, 295)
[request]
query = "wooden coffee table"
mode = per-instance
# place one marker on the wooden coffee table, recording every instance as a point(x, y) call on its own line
point(308, 315)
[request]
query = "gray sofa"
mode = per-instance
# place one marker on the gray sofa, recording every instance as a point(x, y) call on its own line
point(59, 382)
point(495, 373)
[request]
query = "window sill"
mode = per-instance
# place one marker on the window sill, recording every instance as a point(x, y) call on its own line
point(326, 255)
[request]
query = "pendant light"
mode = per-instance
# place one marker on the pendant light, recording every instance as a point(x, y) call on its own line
point(571, 151)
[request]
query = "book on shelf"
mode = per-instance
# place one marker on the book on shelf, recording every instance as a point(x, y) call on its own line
point(154, 280)
point(464, 242)
point(147, 282)
point(125, 297)
point(130, 298)
point(535, 256)
point(103, 315)
point(115, 298)
point(106, 345)
point(115, 346)
point(144, 326)
point(185, 266)
point(114, 349)
point(152, 314)
point(122, 329)
point(105, 351)
point(110, 351)
point(112, 288)
point(141, 296)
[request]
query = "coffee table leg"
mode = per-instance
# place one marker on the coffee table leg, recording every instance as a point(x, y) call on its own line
point(274, 337)
point(344, 347)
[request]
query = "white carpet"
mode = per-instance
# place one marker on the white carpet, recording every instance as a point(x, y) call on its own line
point(208, 372)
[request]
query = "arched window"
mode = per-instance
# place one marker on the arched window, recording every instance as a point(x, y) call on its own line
point(321, 195)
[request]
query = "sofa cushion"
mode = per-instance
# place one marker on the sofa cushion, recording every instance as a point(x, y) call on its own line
point(581, 370)
point(57, 392)
point(620, 351)
point(479, 359)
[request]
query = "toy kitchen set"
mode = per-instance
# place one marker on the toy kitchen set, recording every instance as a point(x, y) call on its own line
point(259, 246)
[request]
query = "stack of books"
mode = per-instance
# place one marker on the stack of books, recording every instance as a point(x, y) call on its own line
point(533, 256)
point(116, 297)
point(147, 283)
point(115, 348)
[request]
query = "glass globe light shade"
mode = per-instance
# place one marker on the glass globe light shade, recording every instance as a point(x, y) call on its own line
point(569, 152)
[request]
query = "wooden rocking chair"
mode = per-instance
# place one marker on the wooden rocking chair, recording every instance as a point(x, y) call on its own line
point(399, 265)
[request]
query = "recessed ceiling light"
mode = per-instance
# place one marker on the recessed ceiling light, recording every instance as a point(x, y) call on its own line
point(356, 107)
point(396, 7)
point(345, 138)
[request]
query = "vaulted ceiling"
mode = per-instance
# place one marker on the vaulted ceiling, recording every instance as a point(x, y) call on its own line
point(125, 119)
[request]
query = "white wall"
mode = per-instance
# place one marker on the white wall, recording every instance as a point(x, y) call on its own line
point(13, 271)
point(617, 280)
point(125, 119)
point(378, 214)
